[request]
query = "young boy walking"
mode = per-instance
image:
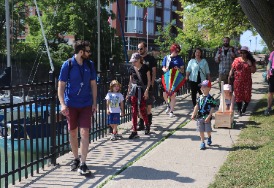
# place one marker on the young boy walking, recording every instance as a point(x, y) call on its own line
point(204, 110)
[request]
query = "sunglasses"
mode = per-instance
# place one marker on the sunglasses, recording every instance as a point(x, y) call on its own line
point(140, 48)
point(88, 51)
point(243, 52)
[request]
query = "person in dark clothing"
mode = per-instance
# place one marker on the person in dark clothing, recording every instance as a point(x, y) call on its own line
point(139, 83)
point(151, 62)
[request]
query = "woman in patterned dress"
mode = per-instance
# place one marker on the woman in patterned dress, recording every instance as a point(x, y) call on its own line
point(242, 67)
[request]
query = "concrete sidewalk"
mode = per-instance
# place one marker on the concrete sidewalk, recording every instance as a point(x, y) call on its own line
point(174, 162)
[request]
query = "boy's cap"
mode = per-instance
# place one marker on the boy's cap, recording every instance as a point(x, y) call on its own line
point(135, 57)
point(227, 87)
point(206, 83)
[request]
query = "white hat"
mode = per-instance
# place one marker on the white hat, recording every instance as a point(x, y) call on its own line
point(227, 87)
point(244, 48)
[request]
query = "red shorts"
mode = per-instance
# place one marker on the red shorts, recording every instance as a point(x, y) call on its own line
point(79, 117)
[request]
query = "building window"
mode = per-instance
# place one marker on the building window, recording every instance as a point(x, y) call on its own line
point(167, 11)
point(134, 18)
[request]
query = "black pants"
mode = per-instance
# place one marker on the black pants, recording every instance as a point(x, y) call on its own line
point(242, 106)
point(194, 87)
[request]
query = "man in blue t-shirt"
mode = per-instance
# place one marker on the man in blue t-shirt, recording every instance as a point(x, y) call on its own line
point(77, 93)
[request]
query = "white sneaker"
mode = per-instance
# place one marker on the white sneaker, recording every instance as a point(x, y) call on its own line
point(167, 109)
point(171, 114)
point(112, 137)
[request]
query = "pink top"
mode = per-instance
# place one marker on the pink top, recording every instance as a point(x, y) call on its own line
point(271, 59)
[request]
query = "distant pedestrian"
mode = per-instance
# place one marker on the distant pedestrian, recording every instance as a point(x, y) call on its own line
point(77, 93)
point(270, 78)
point(197, 71)
point(115, 106)
point(139, 83)
point(204, 110)
point(224, 57)
point(242, 68)
point(172, 61)
point(151, 62)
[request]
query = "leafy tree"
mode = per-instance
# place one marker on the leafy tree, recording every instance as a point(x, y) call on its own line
point(78, 18)
point(235, 16)
point(260, 14)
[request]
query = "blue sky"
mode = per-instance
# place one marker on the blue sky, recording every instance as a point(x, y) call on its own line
point(252, 42)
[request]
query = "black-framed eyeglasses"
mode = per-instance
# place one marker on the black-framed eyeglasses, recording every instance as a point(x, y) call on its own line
point(140, 48)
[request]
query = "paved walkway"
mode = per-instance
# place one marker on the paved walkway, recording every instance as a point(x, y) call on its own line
point(153, 161)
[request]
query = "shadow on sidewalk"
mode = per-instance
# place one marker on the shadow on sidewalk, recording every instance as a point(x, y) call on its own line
point(153, 174)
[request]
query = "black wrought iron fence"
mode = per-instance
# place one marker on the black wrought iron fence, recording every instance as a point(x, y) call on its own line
point(33, 132)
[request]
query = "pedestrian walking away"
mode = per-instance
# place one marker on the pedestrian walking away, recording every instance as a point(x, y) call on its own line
point(172, 61)
point(197, 71)
point(242, 68)
point(115, 106)
point(151, 62)
point(77, 93)
point(138, 87)
point(224, 57)
point(203, 113)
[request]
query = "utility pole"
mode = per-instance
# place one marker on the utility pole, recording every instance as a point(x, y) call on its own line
point(99, 36)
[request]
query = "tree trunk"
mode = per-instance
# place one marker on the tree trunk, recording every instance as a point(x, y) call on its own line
point(260, 14)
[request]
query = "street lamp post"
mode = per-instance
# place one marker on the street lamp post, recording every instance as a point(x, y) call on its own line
point(249, 44)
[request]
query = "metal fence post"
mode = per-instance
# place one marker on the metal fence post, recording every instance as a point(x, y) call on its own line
point(53, 116)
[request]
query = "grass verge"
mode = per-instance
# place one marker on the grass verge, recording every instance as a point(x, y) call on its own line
point(251, 163)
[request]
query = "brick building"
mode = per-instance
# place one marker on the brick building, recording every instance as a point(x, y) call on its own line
point(140, 24)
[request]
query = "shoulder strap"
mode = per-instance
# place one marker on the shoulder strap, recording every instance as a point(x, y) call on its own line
point(70, 67)
point(168, 60)
point(139, 77)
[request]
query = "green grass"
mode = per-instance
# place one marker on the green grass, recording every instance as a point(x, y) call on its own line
point(251, 163)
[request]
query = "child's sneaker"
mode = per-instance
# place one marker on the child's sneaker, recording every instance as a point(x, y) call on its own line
point(112, 137)
point(167, 109)
point(133, 135)
point(202, 146)
point(171, 114)
point(209, 141)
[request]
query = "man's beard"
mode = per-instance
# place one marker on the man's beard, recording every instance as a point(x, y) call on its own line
point(226, 44)
point(142, 53)
point(85, 57)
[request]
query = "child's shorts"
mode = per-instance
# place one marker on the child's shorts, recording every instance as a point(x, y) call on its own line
point(114, 118)
point(202, 126)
